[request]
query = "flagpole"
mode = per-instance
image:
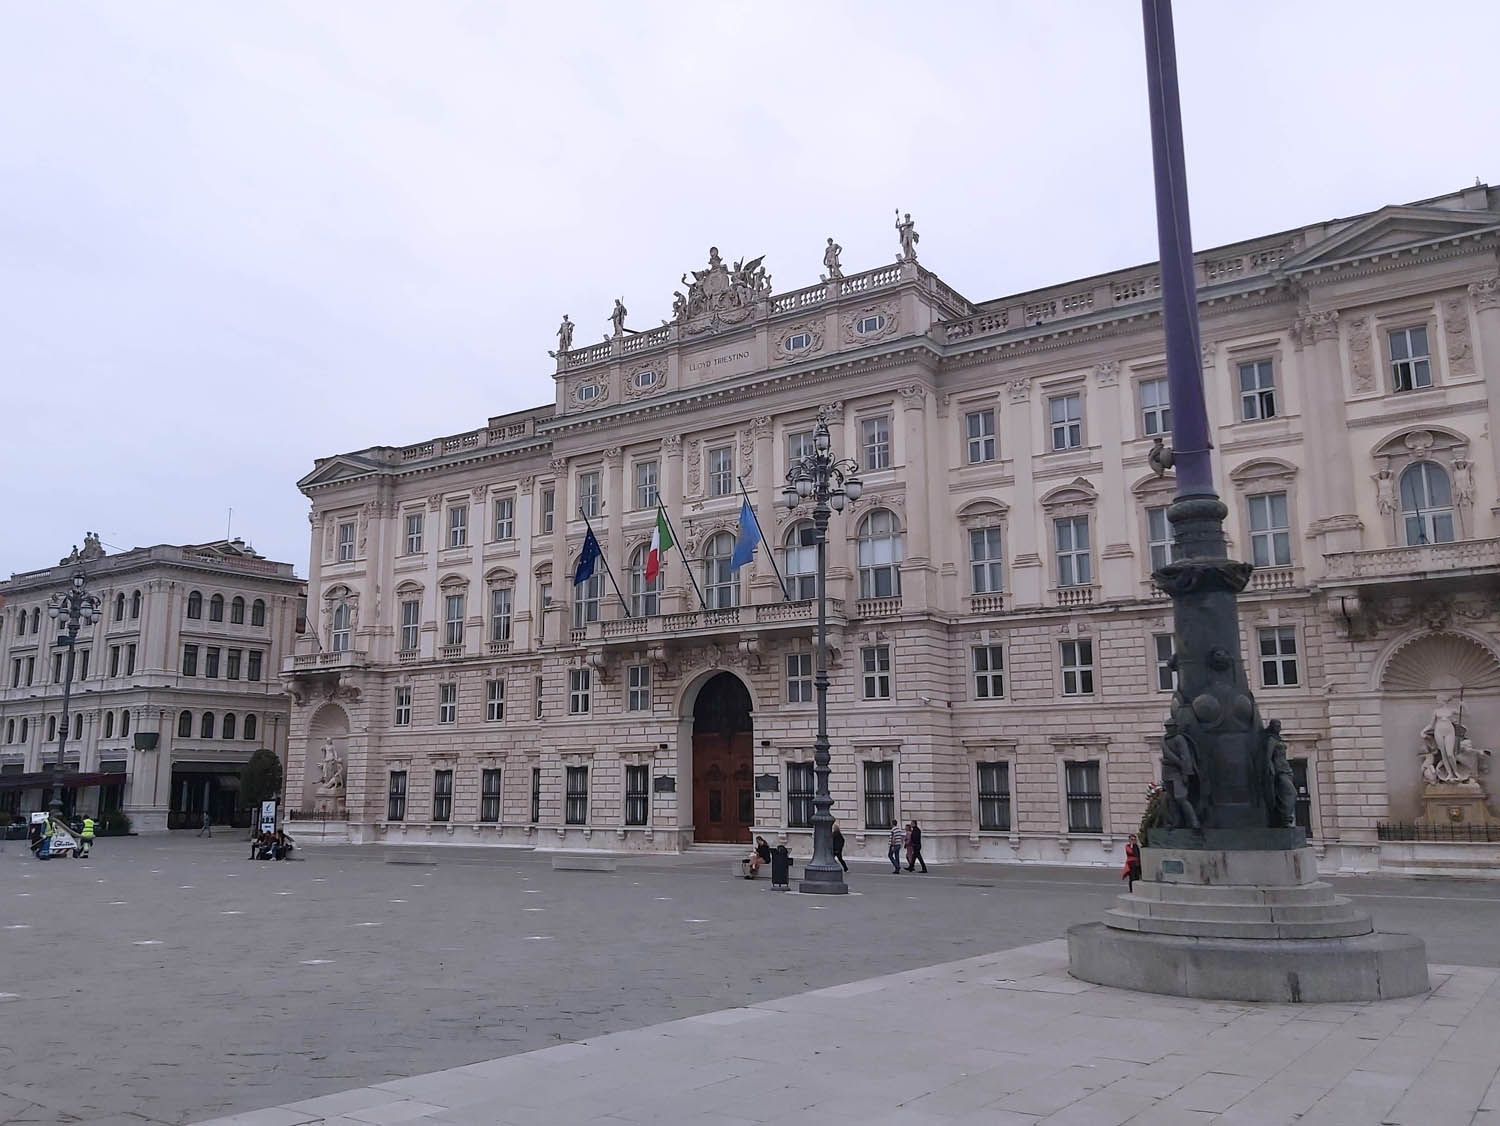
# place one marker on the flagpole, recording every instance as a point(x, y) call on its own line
point(687, 566)
point(604, 558)
point(770, 551)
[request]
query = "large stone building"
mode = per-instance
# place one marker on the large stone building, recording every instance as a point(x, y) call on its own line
point(1002, 663)
point(173, 687)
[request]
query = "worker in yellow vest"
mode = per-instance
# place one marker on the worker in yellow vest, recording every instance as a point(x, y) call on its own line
point(88, 836)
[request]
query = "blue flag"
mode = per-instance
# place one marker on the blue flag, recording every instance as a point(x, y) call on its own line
point(746, 538)
point(586, 559)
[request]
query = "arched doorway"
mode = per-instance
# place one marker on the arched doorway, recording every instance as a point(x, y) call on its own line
point(723, 762)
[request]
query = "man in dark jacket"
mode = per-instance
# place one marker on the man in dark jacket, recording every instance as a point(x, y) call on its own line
point(915, 856)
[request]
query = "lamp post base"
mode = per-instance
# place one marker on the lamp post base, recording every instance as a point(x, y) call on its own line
point(822, 881)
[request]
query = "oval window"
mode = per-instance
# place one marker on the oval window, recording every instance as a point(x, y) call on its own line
point(645, 378)
point(798, 342)
point(587, 392)
point(873, 323)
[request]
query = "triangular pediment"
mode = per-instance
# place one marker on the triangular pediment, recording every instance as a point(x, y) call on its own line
point(339, 468)
point(1393, 229)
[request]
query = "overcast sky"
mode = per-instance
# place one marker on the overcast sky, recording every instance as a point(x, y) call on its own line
point(238, 236)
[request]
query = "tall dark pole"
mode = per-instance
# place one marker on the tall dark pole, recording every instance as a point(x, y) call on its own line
point(76, 607)
point(1216, 754)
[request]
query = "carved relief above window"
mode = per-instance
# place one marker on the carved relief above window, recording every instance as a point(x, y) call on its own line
point(800, 340)
point(1424, 485)
point(591, 390)
point(646, 380)
point(871, 323)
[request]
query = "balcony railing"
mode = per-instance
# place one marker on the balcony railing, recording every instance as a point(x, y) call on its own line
point(344, 658)
point(1417, 562)
point(407, 656)
point(877, 607)
point(986, 603)
point(1075, 596)
point(497, 647)
point(1273, 578)
point(451, 652)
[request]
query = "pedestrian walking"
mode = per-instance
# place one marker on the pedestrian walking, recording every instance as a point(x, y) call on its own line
point(838, 846)
point(898, 842)
point(207, 829)
point(914, 848)
point(1132, 870)
point(86, 837)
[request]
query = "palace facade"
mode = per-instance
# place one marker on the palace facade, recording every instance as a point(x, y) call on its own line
point(173, 687)
point(1001, 662)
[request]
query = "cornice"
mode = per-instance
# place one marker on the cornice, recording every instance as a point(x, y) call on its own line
point(1386, 261)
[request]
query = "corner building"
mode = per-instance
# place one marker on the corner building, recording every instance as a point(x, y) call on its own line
point(1000, 660)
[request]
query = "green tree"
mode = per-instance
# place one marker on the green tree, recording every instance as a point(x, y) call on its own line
point(260, 778)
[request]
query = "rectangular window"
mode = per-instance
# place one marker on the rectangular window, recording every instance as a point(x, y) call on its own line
point(1304, 795)
point(579, 691)
point(403, 707)
point(799, 683)
point(1164, 648)
point(346, 542)
point(1066, 413)
point(500, 603)
point(83, 665)
point(15, 672)
point(876, 663)
point(880, 795)
point(721, 471)
point(549, 510)
point(31, 669)
point(637, 794)
point(989, 672)
point(1085, 799)
point(114, 660)
point(1158, 537)
point(130, 660)
point(576, 812)
point(1257, 390)
point(448, 702)
point(252, 664)
point(505, 518)
point(1411, 365)
point(211, 663)
point(189, 660)
point(414, 525)
point(494, 700)
point(1074, 561)
point(979, 427)
point(800, 783)
point(645, 484)
point(233, 659)
point(1077, 668)
point(489, 795)
point(537, 698)
point(638, 688)
point(57, 674)
point(458, 525)
point(1270, 531)
point(994, 797)
point(395, 801)
point(986, 561)
point(442, 795)
point(411, 625)
point(799, 444)
point(453, 619)
point(1156, 411)
point(588, 494)
point(1278, 656)
point(875, 443)
point(536, 794)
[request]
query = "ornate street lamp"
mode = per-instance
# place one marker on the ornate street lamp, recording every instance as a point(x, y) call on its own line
point(830, 483)
point(76, 607)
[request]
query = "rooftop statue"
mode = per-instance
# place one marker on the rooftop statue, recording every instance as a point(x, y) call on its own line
point(831, 259)
point(906, 231)
point(617, 316)
point(719, 296)
point(565, 334)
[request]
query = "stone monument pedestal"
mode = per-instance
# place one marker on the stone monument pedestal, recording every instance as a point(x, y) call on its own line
point(1449, 805)
point(1243, 924)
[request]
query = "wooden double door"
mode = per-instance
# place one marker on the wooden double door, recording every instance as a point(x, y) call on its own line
point(723, 787)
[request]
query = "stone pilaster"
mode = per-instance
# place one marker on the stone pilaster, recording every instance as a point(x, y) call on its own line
point(1485, 296)
point(1028, 576)
point(918, 575)
point(677, 591)
point(1330, 500)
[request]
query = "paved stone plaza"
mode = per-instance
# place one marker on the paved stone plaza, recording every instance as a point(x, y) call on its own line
point(168, 980)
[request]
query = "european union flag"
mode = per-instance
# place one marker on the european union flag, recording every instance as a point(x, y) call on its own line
point(746, 538)
point(586, 559)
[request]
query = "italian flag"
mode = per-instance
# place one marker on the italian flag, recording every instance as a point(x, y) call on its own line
point(661, 542)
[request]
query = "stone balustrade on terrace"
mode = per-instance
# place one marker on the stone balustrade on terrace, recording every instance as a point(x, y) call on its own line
point(1413, 564)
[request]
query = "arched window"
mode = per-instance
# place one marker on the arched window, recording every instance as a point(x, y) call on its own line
point(135, 605)
point(124, 722)
point(237, 611)
point(216, 608)
point(206, 726)
point(120, 607)
point(184, 725)
point(77, 725)
point(195, 605)
point(645, 595)
point(586, 596)
point(258, 613)
point(800, 561)
point(338, 639)
point(1426, 504)
point(879, 556)
point(720, 586)
point(109, 725)
point(36, 622)
point(250, 727)
point(10, 731)
point(229, 726)
point(51, 728)
point(25, 728)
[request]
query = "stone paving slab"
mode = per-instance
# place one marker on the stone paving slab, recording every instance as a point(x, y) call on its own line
point(1006, 1039)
